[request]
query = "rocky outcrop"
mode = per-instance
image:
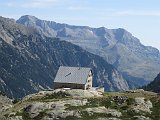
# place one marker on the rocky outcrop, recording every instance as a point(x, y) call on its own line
point(5, 103)
point(141, 118)
point(63, 104)
point(73, 93)
point(142, 105)
point(109, 119)
point(103, 109)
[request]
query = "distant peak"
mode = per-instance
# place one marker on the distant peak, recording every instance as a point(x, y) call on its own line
point(121, 30)
point(7, 19)
point(27, 17)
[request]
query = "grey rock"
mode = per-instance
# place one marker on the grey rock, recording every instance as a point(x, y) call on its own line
point(109, 119)
point(15, 118)
point(141, 118)
point(5, 103)
point(54, 109)
point(142, 105)
point(102, 109)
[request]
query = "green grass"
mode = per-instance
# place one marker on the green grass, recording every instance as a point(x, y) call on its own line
point(107, 101)
point(125, 108)
point(50, 97)
point(155, 115)
point(25, 115)
point(130, 101)
point(94, 116)
point(94, 102)
point(146, 95)
point(58, 95)
point(40, 115)
point(70, 118)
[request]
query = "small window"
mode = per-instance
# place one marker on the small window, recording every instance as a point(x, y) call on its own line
point(88, 87)
point(89, 75)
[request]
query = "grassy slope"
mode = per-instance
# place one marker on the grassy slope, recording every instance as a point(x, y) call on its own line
point(106, 100)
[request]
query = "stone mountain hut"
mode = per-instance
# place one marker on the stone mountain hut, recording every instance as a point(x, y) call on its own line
point(73, 78)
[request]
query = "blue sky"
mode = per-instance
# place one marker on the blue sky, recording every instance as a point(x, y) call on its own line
point(140, 17)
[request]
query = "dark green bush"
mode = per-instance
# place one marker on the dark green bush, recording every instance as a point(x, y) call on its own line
point(40, 115)
point(15, 101)
point(24, 115)
point(58, 95)
point(130, 101)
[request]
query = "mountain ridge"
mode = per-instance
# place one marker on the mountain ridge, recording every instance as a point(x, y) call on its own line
point(116, 46)
point(29, 61)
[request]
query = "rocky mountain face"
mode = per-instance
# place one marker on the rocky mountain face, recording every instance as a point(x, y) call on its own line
point(29, 61)
point(154, 85)
point(138, 63)
point(5, 103)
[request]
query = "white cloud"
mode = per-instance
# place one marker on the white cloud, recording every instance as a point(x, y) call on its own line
point(33, 3)
point(11, 16)
point(125, 13)
point(78, 8)
point(137, 13)
point(39, 3)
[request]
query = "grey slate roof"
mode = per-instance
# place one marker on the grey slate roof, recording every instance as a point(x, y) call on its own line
point(76, 75)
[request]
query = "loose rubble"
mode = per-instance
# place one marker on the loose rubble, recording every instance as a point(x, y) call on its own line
point(142, 105)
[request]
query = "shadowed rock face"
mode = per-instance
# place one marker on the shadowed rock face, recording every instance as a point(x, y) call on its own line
point(117, 46)
point(29, 61)
point(154, 85)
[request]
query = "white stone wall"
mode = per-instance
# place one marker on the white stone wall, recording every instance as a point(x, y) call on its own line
point(88, 84)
